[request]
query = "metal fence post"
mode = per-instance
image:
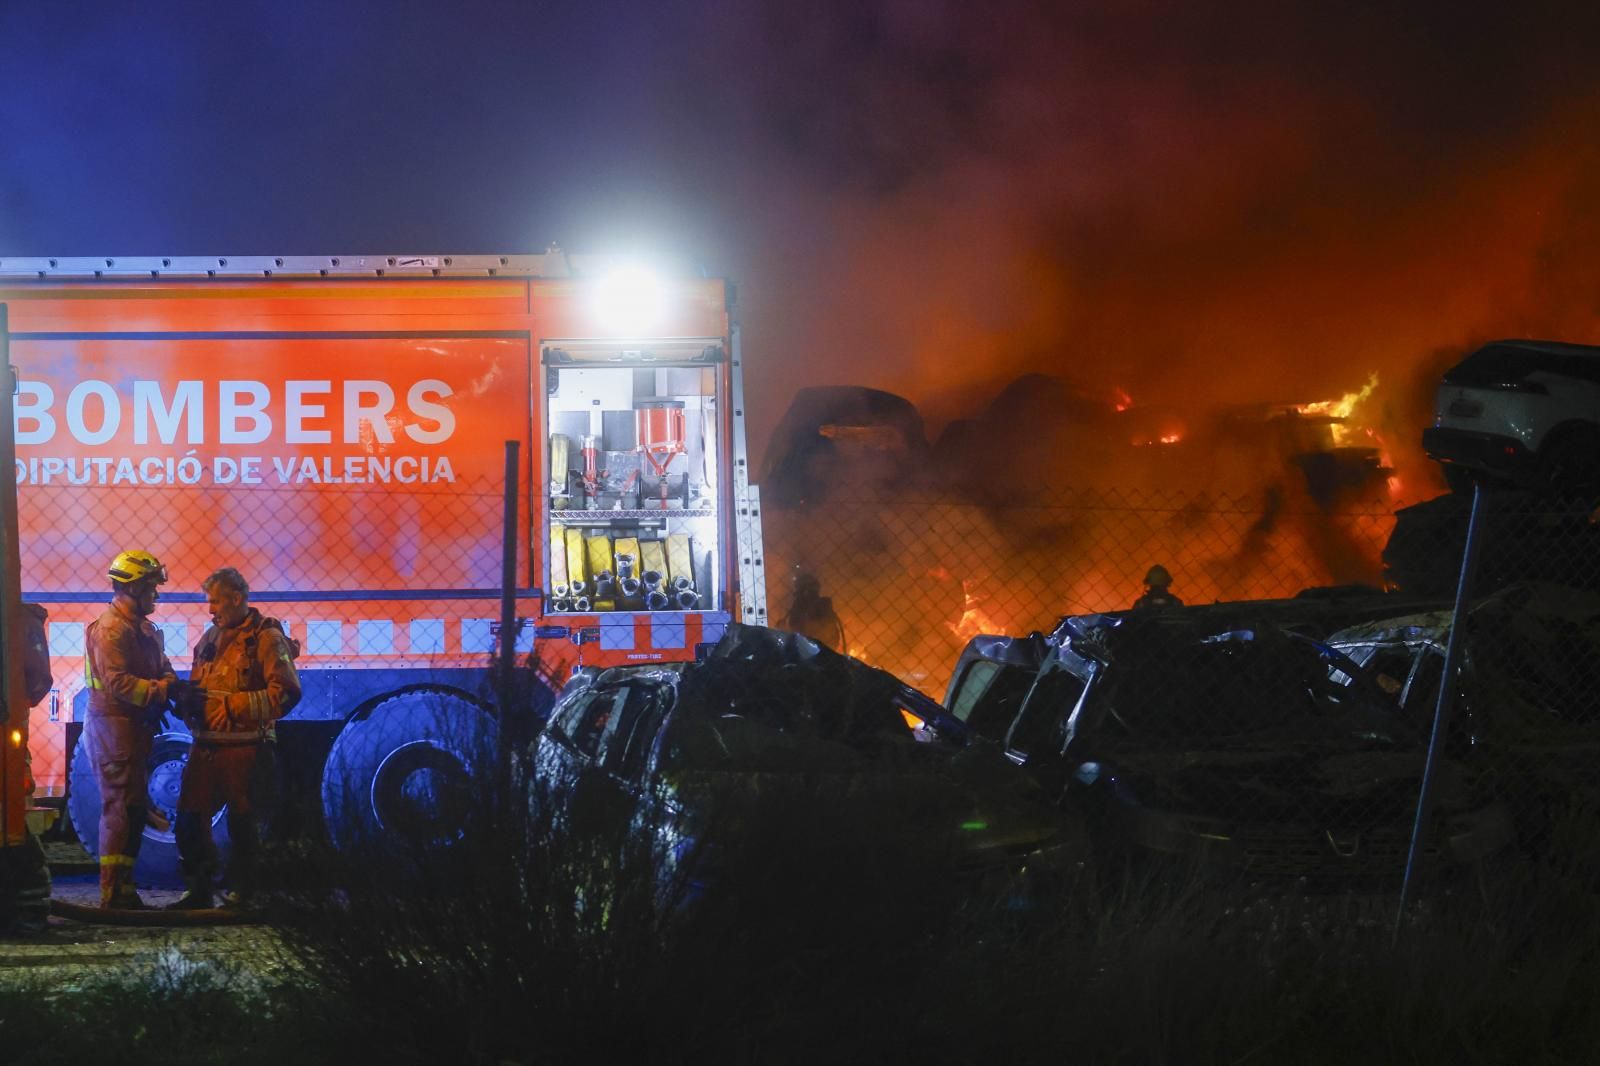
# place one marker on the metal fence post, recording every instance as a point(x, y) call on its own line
point(505, 665)
point(1454, 649)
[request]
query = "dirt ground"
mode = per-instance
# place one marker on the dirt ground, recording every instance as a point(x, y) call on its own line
point(68, 952)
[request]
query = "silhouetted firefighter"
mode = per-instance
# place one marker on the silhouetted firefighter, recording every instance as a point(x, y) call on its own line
point(811, 613)
point(1157, 591)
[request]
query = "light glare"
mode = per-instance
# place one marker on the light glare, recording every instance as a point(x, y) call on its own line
point(630, 300)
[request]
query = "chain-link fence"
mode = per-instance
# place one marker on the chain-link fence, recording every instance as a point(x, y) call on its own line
point(1279, 721)
point(913, 578)
point(371, 571)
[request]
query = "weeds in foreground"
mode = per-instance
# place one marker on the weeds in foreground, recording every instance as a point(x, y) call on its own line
point(833, 930)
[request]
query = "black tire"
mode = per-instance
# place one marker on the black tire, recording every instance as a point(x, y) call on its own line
point(158, 854)
point(407, 769)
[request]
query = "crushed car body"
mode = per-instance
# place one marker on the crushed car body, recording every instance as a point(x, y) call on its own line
point(1527, 708)
point(1218, 735)
point(674, 752)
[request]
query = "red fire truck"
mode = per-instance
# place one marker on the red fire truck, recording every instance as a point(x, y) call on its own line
point(24, 880)
point(336, 428)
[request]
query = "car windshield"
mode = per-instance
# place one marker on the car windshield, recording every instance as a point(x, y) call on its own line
point(614, 724)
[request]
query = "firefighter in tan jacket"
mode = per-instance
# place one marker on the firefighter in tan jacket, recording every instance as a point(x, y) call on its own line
point(243, 681)
point(129, 680)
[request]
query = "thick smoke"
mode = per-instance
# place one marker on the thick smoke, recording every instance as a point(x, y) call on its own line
point(1203, 206)
point(1216, 214)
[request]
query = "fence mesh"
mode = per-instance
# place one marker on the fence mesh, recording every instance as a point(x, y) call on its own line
point(1286, 736)
point(1283, 726)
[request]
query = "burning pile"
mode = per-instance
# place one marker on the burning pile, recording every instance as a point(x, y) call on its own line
point(1051, 502)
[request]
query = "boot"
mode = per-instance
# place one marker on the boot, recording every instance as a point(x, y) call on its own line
point(116, 888)
point(194, 855)
point(196, 898)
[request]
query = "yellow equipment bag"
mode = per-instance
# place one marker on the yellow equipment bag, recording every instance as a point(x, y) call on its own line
point(599, 548)
point(575, 567)
point(654, 558)
point(679, 562)
point(629, 546)
point(558, 558)
point(559, 444)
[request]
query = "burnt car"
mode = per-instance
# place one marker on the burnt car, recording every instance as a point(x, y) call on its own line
point(1225, 739)
point(1527, 698)
point(667, 754)
point(994, 673)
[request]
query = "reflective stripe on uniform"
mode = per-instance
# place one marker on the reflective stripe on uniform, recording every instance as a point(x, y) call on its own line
point(116, 860)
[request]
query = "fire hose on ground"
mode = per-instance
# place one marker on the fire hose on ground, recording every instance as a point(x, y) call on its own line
point(152, 916)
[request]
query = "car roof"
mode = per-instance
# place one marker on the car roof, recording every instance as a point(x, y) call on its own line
point(1590, 351)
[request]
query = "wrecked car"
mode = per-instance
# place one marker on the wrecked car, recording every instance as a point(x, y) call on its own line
point(1527, 703)
point(673, 752)
point(1218, 737)
point(994, 673)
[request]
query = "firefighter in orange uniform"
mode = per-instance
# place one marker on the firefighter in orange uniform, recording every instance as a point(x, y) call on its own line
point(129, 680)
point(243, 681)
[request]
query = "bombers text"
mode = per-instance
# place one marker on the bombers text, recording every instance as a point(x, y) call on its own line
point(94, 412)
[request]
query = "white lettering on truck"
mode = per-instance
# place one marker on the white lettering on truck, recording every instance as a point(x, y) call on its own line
point(110, 411)
point(230, 410)
point(168, 411)
point(148, 405)
point(435, 412)
point(376, 415)
point(31, 405)
point(297, 410)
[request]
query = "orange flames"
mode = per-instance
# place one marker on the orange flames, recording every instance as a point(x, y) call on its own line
point(974, 619)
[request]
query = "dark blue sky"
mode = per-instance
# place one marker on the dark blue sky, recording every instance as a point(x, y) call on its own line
point(191, 128)
point(925, 195)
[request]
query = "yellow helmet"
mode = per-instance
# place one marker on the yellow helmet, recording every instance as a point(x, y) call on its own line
point(132, 566)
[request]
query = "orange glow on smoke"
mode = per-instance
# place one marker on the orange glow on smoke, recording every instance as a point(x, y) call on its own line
point(1123, 400)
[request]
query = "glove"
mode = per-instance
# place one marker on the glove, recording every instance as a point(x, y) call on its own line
point(188, 701)
point(216, 713)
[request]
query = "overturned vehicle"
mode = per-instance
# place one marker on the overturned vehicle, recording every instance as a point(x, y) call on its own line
point(1231, 738)
point(679, 759)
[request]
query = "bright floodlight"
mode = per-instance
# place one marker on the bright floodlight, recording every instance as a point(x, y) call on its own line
point(630, 300)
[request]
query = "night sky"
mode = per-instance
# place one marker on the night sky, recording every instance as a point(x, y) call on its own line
point(1198, 203)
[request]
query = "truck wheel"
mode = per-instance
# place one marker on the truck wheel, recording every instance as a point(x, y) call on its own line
point(406, 771)
point(158, 854)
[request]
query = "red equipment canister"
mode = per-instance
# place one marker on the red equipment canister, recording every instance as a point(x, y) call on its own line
point(660, 428)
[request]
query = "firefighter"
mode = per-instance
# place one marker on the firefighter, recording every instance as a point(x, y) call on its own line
point(244, 681)
point(1157, 591)
point(129, 680)
point(812, 613)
